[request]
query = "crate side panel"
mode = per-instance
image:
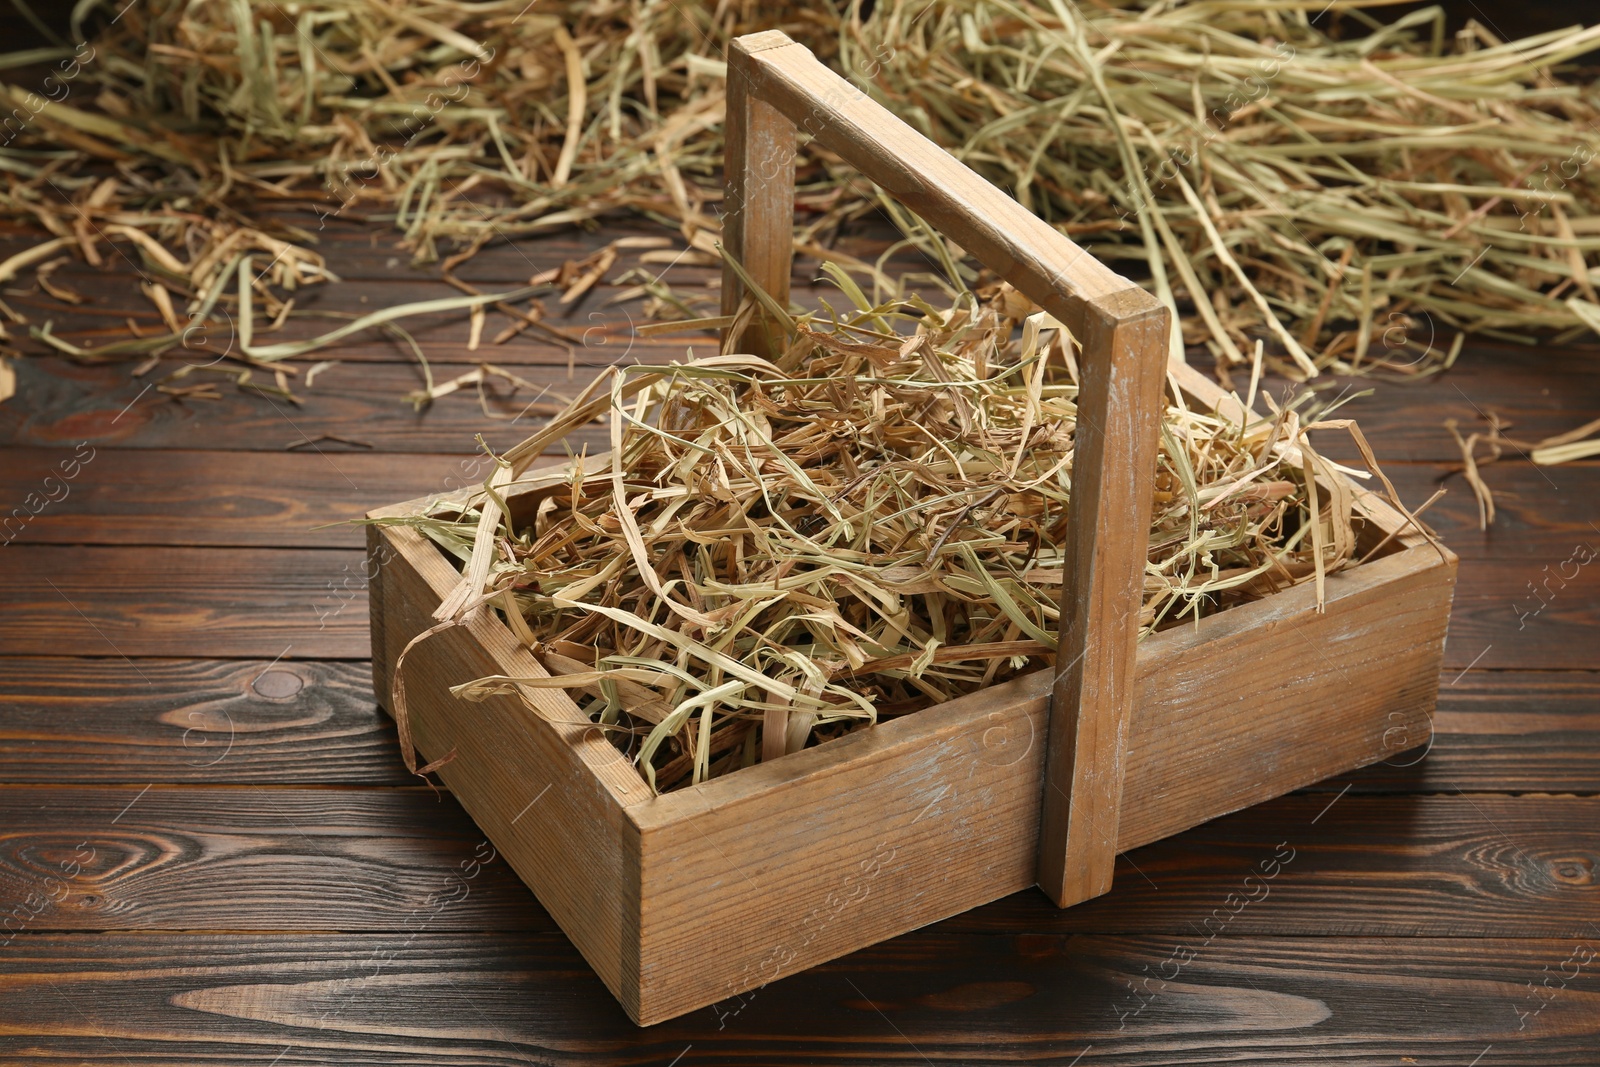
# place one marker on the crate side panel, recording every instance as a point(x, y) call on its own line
point(907, 831)
point(1288, 697)
point(531, 785)
point(927, 816)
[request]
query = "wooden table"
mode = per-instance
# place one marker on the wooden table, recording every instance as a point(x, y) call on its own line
point(205, 808)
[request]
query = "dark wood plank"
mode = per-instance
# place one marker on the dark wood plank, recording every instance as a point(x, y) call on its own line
point(280, 499)
point(97, 720)
point(1538, 610)
point(160, 857)
point(594, 332)
point(286, 858)
point(216, 602)
point(933, 997)
point(361, 251)
point(1434, 866)
point(1503, 618)
point(1506, 731)
point(1529, 586)
point(60, 404)
point(187, 496)
point(1543, 390)
point(1542, 514)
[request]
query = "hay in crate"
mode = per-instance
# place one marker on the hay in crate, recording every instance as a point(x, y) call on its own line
point(868, 526)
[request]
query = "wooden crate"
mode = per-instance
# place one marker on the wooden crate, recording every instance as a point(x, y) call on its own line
point(694, 897)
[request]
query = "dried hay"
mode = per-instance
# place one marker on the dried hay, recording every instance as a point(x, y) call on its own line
point(774, 553)
point(1295, 171)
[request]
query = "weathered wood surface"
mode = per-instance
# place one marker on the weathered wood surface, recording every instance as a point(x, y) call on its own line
point(183, 496)
point(545, 783)
point(775, 86)
point(256, 857)
point(277, 722)
point(758, 201)
point(1096, 689)
point(317, 858)
point(301, 499)
point(1298, 977)
point(418, 997)
point(362, 405)
point(1512, 731)
point(257, 602)
point(364, 400)
point(133, 601)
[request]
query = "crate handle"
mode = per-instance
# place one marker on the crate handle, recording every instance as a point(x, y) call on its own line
point(776, 86)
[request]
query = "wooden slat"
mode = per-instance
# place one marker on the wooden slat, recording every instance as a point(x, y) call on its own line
point(1124, 334)
point(76, 721)
point(758, 209)
point(1214, 729)
point(1430, 866)
point(1498, 621)
point(594, 334)
point(927, 998)
point(1543, 391)
point(999, 232)
point(187, 496)
point(367, 253)
point(1543, 515)
point(1123, 365)
point(223, 602)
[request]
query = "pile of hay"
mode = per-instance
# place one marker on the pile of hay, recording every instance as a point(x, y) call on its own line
point(1295, 171)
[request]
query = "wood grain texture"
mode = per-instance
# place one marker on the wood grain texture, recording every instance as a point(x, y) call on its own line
point(1543, 515)
point(1539, 389)
point(1122, 365)
point(1505, 616)
point(68, 403)
point(359, 251)
point(132, 858)
point(532, 771)
point(353, 253)
point(428, 998)
point(76, 721)
point(1124, 333)
point(1513, 731)
point(593, 331)
point(1413, 866)
point(134, 601)
point(758, 206)
point(190, 498)
point(886, 810)
point(999, 232)
point(193, 497)
point(318, 858)
point(80, 721)
point(1293, 981)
